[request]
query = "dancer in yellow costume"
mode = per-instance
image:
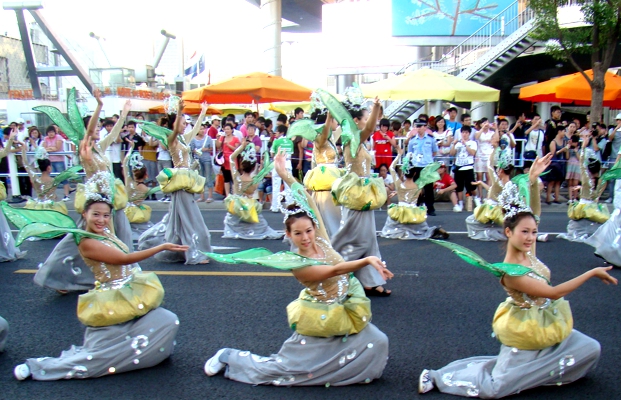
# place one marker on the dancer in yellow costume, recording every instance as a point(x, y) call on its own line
point(244, 219)
point(64, 269)
point(486, 221)
point(319, 180)
point(587, 215)
point(334, 342)
point(408, 220)
point(360, 191)
point(184, 223)
point(534, 325)
point(44, 185)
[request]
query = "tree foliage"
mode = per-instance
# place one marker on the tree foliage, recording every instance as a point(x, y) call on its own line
point(598, 38)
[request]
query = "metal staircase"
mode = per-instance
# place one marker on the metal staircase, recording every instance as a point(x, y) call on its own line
point(479, 56)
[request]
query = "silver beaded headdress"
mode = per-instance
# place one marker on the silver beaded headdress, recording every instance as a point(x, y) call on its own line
point(41, 153)
point(249, 153)
point(102, 182)
point(135, 161)
point(407, 163)
point(505, 158)
point(296, 197)
point(171, 105)
point(512, 201)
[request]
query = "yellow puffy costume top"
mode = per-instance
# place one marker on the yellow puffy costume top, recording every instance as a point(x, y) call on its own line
point(358, 193)
point(407, 213)
point(532, 323)
point(173, 179)
point(489, 213)
point(336, 306)
point(2, 191)
point(245, 208)
point(120, 196)
point(137, 214)
point(121, 293)
point(322, 177)
point(592, 211)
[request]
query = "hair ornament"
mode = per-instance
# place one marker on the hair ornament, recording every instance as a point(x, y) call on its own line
point(512, 201)
point(101, 183)
point(505, 158)
point(171, 105)
point(135, 161)
point(354, 95)
point(249, 153)
point(293, 201)
point(407, 163)
point(41, 153)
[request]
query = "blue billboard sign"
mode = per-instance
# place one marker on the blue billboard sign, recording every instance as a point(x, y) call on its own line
point(443, 17)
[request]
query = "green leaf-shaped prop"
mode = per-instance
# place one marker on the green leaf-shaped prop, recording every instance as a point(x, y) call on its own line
point(283, 260)
point(155, 131)
point(74, 128)
point(70, 174)
point(268, 165)
point(350, 132)
point(497, 269)
point(306, 128)
point(428, 175)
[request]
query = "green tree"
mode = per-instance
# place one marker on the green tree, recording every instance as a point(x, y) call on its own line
point(598, 38)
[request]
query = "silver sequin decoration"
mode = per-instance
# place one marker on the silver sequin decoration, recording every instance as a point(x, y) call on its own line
point(112, 370)
point(136, 361)
point(89, 357)
point(352, 354)
point(303, 341)
point(140, 342)
point(244, 353)
point(342, 361)
point(7, 238)
point(79, 371)
point(370, 345)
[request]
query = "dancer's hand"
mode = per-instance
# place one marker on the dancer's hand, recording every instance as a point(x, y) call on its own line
point(97, 95)
point(602, 273)
point(126, 107)
point(539, 166)
point(174, 247)
point(280, 162)
point(86, 150)
point(380, 266)
point(204, 107)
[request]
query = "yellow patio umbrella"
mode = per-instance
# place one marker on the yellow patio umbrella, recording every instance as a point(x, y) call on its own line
point(285, 107)
point(428, 84)
point(235, 109)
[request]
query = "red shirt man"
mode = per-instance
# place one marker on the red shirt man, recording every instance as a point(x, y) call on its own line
point(383, 141)
point(213, 129)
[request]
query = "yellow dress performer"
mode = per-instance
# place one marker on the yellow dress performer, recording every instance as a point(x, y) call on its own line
point(407, 220)
point(244, 219)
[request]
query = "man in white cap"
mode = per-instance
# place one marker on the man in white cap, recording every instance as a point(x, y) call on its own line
point(215, 127)
point(22, 132)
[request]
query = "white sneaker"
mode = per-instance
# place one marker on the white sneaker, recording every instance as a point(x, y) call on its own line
point(214, 365)
point(542, 237)
point(21, 372)
point(424, 382)
point(275, 211)
point(457, 208)
point(477, 201)
point(166, 200)
point(66, 198)
point(608, 200)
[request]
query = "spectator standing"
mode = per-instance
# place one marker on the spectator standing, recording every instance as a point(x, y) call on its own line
point(298, 113)
point(132, 136)
point(518, 129)
point(227, 143)
point(464, 150)
point(551, 125)
point(248, 120)
point(34, 140)
point(202, 147)
point(214, 128)
point(113, 152)
point(383, 144)
point(486, 138)
point(573, 166)
point(452, 122)
point(423, 149)
point(53, 143)
point(534, 141)
point(556, 170)
point(443, 136)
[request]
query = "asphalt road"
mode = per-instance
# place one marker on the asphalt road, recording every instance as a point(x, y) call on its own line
point(440, 311)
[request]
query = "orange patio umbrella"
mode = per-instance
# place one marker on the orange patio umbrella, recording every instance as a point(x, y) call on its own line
point(257, 87)
point(573, 88)
point(190, 109)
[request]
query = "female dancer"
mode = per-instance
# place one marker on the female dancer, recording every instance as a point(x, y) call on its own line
point(184, 223)
point(335, 342)
point(8, 250)
point(357, 191)
point(406, 220)
point(487, 220)
point(586, 215)
point(573, 173)
point(534, 325)
point(607, 239)
point(135, 174)
point(44, 185)
point(243, 219)
point(319, 180)
point(126, 328)
point(64, 270)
